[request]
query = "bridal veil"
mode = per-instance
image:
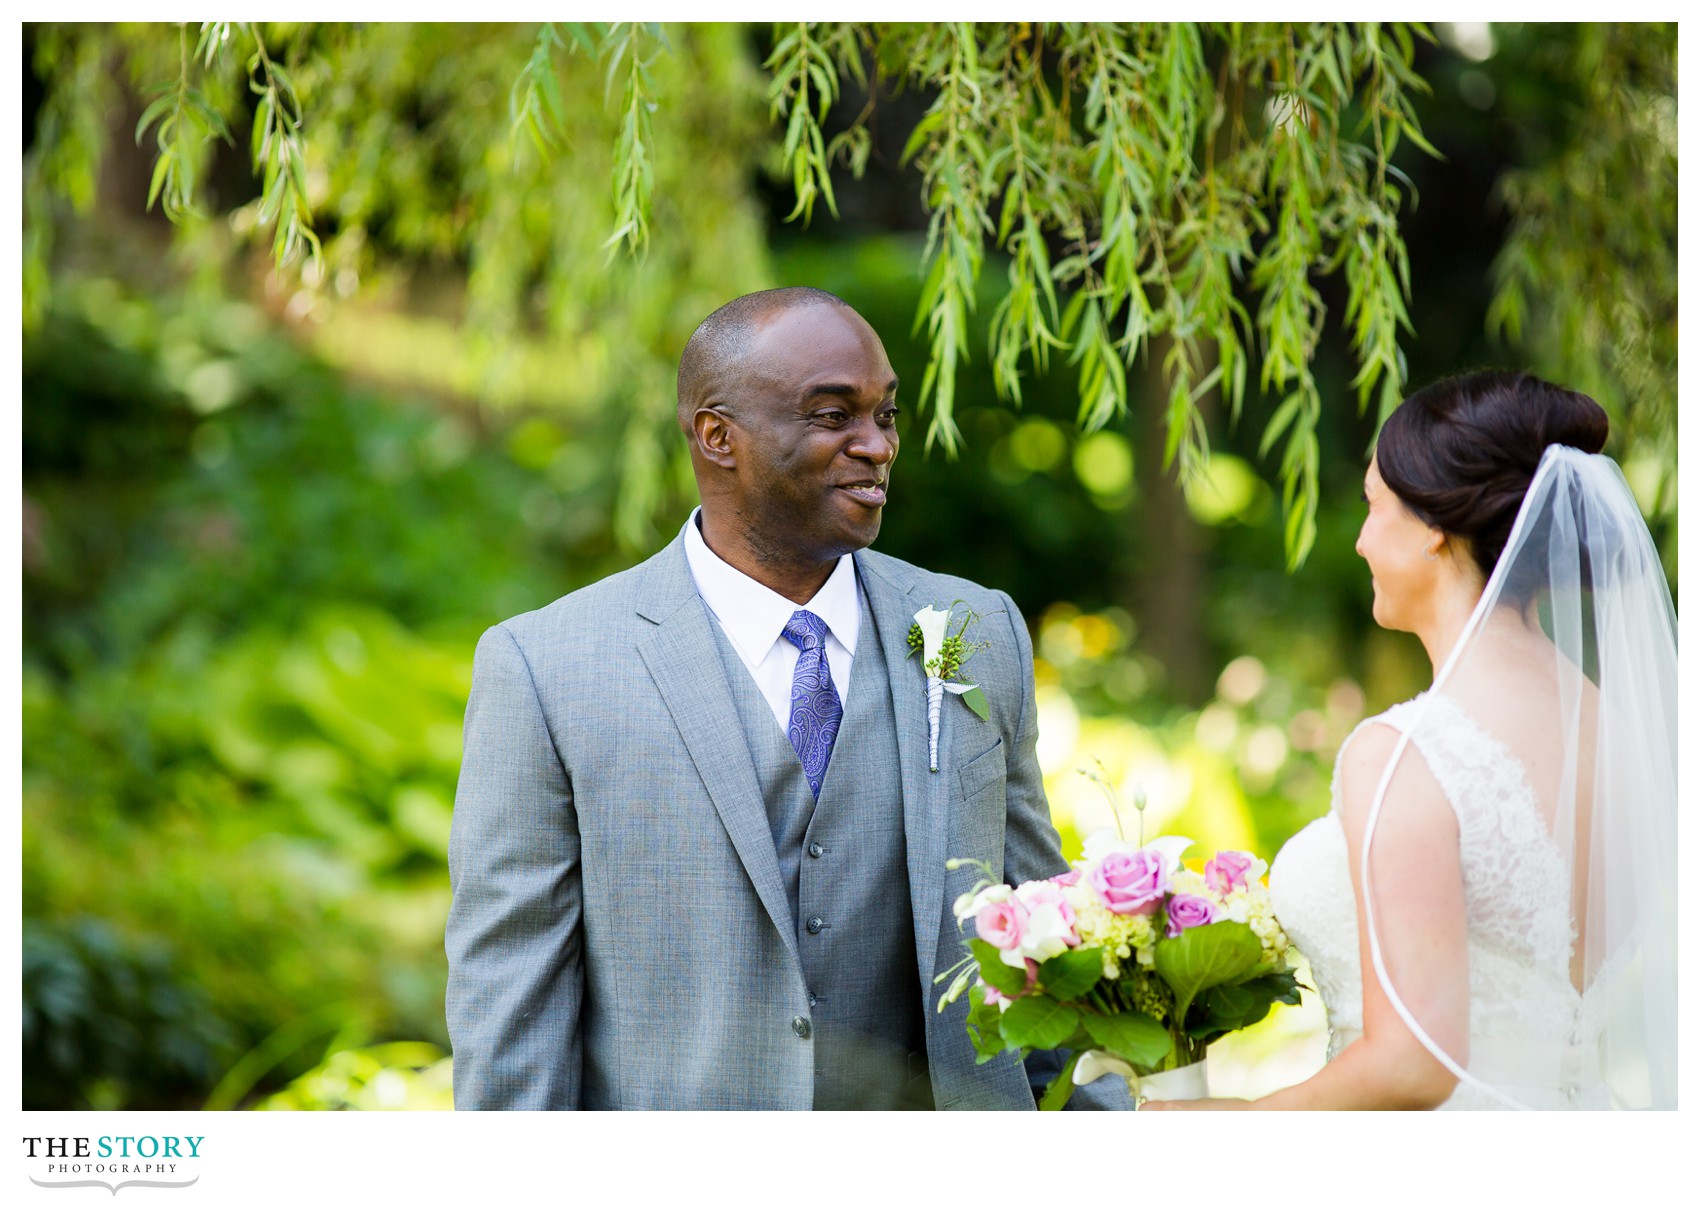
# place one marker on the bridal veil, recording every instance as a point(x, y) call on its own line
point(1565, 676)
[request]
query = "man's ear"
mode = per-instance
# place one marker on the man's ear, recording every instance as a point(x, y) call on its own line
point(712, 430)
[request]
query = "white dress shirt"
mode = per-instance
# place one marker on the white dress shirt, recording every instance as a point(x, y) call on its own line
point(753, 617)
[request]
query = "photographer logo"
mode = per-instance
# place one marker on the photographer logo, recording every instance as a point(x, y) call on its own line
point(113, 1162)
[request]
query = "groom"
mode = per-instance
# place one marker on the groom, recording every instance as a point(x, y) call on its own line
point(698, 855)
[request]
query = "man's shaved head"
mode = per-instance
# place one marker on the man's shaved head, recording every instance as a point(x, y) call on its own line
point(714, 357)
point(790, 406)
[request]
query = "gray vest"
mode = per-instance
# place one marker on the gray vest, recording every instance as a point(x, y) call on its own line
point(845, 868)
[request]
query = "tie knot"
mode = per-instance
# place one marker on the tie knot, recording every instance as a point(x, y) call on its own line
point(806, 630)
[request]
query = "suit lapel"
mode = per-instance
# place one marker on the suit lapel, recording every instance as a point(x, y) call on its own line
point(926, 800)
point(682, 656)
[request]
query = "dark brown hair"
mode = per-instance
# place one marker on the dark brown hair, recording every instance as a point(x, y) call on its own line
point(1460, 453)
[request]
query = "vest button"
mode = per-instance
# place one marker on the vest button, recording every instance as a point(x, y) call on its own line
point(801, 1026)
point(812, 1000)
point(816, 849)
point(814, 925)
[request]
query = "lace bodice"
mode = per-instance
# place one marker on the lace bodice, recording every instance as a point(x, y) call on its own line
point(1516, 892)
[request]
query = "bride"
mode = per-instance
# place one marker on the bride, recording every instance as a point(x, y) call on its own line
point(1499, 856)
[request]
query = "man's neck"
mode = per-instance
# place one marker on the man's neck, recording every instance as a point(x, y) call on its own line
point(799, 582)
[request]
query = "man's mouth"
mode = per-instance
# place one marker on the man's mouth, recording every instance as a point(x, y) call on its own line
point(868, 492)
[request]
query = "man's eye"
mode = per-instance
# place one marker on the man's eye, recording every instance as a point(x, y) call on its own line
point(888, 416)
point(832, 417)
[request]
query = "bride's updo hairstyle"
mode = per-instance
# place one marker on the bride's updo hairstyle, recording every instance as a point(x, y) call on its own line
point(1460, 453)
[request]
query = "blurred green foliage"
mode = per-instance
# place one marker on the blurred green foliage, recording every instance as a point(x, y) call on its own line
point(406, 1075)
point(248, 645)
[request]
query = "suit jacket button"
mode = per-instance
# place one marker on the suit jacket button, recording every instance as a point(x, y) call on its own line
point(816, 849)
point(814, 925)
point(801, 1026)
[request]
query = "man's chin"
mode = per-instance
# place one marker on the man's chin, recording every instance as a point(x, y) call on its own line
point(858, 526)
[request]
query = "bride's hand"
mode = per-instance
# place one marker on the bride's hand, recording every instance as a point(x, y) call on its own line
point(1195, 1104)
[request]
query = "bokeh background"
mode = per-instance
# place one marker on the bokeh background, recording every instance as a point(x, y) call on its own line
point(268, 511)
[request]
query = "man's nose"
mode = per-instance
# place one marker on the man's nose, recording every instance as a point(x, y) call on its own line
point(873, 441)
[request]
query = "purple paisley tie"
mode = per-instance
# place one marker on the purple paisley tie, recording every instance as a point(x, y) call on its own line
point(815, 709)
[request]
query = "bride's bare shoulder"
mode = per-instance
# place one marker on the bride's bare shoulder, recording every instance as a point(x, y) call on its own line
point(1363, 762)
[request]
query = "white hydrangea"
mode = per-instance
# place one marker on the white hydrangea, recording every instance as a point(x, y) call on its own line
point(1236, 906)
point(1186, 880)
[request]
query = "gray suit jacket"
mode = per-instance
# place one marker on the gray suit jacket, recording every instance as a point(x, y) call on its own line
point(620, 935)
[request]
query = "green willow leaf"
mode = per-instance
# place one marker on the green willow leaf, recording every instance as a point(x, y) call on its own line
point(1200, 184)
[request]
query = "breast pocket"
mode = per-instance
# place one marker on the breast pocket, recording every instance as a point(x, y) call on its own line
point(977, 832)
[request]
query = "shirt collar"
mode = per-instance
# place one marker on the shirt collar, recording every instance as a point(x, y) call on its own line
point(752, 615)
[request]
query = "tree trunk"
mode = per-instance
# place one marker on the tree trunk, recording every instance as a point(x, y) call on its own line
point(1171, 579)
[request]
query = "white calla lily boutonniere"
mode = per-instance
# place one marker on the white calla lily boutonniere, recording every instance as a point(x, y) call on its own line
point(942, 656)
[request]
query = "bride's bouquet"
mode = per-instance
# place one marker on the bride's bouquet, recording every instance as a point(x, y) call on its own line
point(1130, 960)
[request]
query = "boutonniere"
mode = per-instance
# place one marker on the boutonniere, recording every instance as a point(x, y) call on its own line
point(942, 656)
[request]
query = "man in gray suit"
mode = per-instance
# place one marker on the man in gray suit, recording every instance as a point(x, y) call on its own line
point(698, 855)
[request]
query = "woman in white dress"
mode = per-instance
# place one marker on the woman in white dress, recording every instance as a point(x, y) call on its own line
point(1499, 855)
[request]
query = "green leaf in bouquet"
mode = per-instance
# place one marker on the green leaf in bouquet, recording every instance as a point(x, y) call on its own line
point(1233, 1007)
point(1137, 1038)
point(1067, 976)
point(1226, 1008)
point(999, 975)
point(1204, 957)
point(1283, 986)
point(984, 1027)
point(1039, 1022)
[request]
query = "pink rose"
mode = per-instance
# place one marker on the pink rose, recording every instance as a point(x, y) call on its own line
point(1001, 924)
point(1227, 871)
point(1067, 879)
point(1187, 911)
point(1130, 883)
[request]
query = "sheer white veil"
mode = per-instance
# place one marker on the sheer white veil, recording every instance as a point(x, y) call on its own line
point(1568, 666)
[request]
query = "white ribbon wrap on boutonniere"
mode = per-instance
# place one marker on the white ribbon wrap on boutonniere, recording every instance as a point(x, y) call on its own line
point(942, 655)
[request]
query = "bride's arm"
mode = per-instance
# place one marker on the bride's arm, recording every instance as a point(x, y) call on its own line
point(1419, 906)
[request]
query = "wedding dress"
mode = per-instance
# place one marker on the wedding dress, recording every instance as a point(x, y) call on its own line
point(1550, 730)
point(1516, 890)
